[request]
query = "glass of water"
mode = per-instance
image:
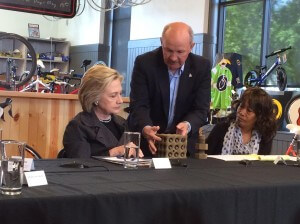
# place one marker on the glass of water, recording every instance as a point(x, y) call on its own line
point(132, 146)
point(12, 164)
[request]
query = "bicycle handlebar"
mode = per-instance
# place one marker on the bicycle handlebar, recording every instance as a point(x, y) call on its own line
point(279, 51)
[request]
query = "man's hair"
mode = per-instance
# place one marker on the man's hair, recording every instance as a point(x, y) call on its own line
point(169, 26)
point(93, 84)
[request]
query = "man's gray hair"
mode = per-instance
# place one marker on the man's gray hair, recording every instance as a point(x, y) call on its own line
point(190, 30)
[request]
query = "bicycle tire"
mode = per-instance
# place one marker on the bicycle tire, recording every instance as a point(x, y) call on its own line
point(277, 108)
point(281, 78)
point(250, 76)
point(31, 51)
point(292, 110)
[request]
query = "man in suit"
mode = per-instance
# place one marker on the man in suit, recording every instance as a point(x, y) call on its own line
point(170, 89)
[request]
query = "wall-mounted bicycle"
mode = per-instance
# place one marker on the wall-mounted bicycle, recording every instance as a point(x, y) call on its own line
point(12, 81)
point(256, 78)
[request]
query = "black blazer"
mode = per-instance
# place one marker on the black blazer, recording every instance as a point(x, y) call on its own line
point(150, 94)
point(86, 136)
point(216, 138)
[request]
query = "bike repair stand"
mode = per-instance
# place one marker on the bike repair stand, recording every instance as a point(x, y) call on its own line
point(36, 84)
point(293, 149)
point(11, 70)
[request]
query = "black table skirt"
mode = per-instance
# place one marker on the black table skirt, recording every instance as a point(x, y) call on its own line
point(204, 191)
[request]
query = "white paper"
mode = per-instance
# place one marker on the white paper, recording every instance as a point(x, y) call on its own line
point(234, 157)
point(161, 163)
point(36, 178)
point(28, 164)
point(251, 157)
point(120, 160)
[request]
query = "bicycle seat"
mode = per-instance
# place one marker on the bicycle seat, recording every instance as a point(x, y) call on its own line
point(85, 63)
point(261, 67)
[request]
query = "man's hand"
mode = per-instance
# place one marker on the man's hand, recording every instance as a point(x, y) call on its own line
point(149, 132)
point(182, 128)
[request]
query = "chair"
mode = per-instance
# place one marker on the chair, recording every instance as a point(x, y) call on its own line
point(62, 154)
point(32, 152)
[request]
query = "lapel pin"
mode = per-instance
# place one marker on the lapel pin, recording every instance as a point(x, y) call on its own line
point(190, 75)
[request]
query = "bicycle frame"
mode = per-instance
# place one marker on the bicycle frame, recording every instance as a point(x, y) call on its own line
point(263, 75)
point(256, 78)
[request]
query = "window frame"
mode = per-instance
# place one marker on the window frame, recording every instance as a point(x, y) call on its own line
point(266, 22)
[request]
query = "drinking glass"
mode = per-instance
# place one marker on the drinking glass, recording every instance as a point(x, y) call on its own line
point(132, 146)
point(12, 164)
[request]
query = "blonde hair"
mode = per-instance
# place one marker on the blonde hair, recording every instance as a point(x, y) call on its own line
point(93, 84)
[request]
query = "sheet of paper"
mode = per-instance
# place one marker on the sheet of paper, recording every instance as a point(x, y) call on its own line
point(252, 157)
point(161, 163)
point(28, 164)
point(36, 178)
point(274, 157)
point(120, 160)
point(234, 157)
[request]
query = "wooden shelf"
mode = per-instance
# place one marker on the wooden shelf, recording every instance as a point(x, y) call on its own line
point(40, 46)
point(54, 40)
point(45, 60)
point(15, 58)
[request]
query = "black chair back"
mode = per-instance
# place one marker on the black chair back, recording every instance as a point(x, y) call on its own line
point(62, 154)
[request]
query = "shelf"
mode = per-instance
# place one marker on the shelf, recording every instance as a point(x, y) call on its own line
point(50, 61)
point(54, 46)
point(54, 40)
point(4, 57)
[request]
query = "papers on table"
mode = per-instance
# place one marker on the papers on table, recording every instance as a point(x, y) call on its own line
point(120, 160)
point(252, 157)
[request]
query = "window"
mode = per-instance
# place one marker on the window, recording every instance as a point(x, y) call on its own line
point(255, 28)
point(284, 32)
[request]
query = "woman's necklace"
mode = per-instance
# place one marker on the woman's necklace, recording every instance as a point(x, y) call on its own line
point(106, 120)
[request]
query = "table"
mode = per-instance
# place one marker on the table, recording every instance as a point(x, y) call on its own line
point(205, 191)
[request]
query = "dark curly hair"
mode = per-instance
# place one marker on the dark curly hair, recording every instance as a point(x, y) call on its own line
point(260, 102)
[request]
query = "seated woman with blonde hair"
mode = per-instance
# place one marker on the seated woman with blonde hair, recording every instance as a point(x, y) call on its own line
point(97, 130)
point(248, 130)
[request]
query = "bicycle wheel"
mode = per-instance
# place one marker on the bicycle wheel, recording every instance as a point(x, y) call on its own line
point(251, 79)
point(30, 51)
point(292, 111)
point(281, 78)
point(277, 108)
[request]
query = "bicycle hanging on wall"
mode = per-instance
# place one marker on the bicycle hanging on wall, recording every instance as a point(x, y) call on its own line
point(12, 81)
point(256, 78)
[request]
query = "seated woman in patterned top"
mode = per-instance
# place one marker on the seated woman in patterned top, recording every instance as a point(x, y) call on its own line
point(248, 130)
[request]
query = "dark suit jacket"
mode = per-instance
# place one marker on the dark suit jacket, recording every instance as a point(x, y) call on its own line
point(216, 138)
point(150, 95)
point(86, 136)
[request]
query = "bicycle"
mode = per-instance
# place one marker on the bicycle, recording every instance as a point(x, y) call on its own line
point(256, 78)
point(84, 65)
point(12, 81)
point(50, 82)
